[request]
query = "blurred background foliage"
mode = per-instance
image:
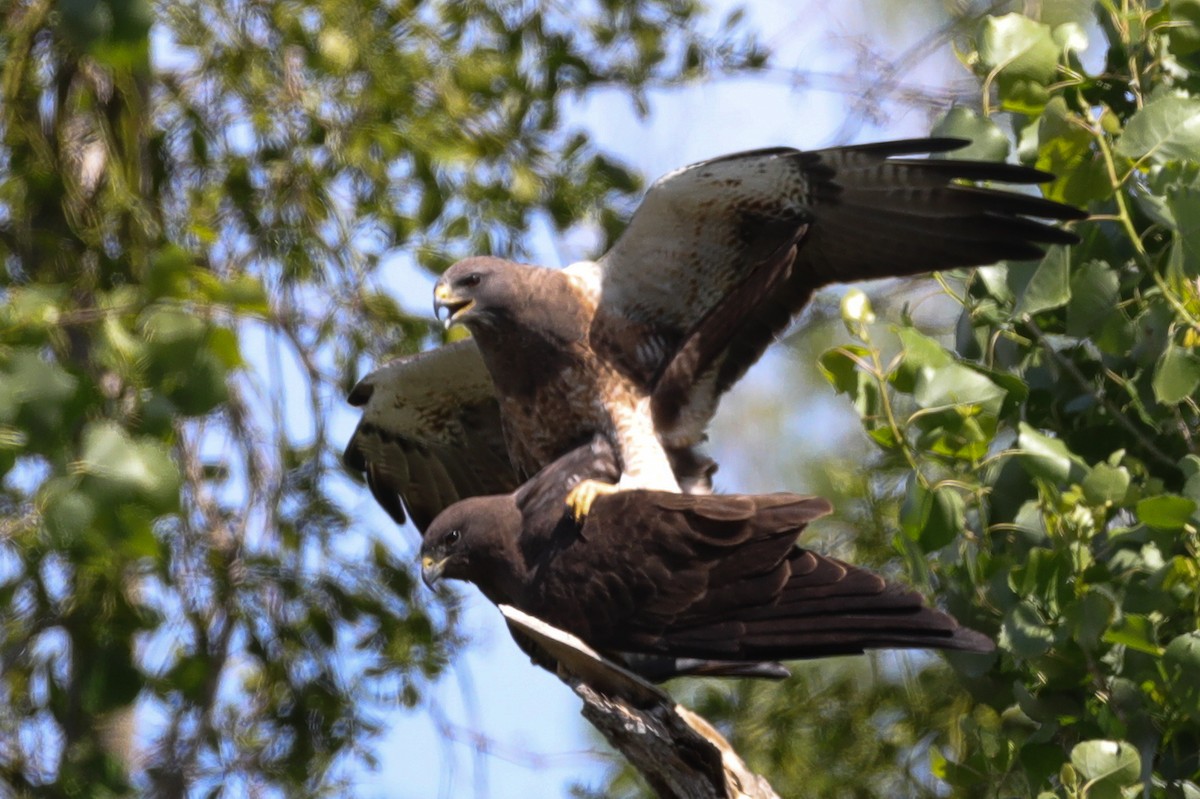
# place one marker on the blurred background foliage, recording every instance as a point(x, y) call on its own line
point(185, 235)
point(195, 195)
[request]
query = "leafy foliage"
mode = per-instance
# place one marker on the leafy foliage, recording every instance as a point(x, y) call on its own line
point(1037, 469)
point(195, 198)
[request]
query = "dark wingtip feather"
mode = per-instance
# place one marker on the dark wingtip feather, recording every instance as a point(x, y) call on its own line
point(968, 640)
point(930, 144)
point(360, 395)
point(388, 498)
point(353, 458)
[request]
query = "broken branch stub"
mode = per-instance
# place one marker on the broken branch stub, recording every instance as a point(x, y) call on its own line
point(680, 754)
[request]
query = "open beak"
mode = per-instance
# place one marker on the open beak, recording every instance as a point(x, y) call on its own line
point(431, 571)
point(444, 299)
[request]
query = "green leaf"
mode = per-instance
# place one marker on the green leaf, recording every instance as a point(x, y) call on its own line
point(172, 333)
point(841, 368)
point(1165, 129)
point(1183, 202)
point(1166, 511)
point(1046, 283)
point(1048, 458)
point(1040, 574)
point(1136, 632)
point(932, 518)
point(1107, 760)
point(988, 141)
point(69, 513)
point(959, 405)
point(123, 469)
point(1181, 663)
point(39, 396)
point(1024, 632)
point(995, 282)
point(243, 293)
point(1095, 291)
point(955, 384)
point(1184, 32)
point(1089, 619)
point(168, 274)
point(1106, 485)
point(921, 354)
point(1176, 375)
point(1023, 55)
point(1065, 151)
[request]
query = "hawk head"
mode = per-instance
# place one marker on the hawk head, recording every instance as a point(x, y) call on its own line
point(477, 289)
point(475, 540)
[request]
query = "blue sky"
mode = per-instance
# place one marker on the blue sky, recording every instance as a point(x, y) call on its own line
point(537, 744)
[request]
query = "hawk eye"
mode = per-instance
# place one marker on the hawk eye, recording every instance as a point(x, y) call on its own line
point(453, 536)
point(471, 281)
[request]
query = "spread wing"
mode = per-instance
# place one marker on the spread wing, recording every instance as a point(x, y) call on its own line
point(430, 433)
point(720, 578)
point(681, 277)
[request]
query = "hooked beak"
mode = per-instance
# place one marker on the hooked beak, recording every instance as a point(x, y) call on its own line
point(431, 571)
point(444, 299)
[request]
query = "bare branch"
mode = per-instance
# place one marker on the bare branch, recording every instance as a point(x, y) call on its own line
point(680, 754)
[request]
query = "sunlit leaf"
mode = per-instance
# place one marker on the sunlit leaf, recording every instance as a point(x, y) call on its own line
point(123, 469)
point(1134, 631)
point(1098, 760)
point(1025, 634)
point(1048, 458)
point(1166, 511)
point(1023, 55)
point(1106, 485)
point(1166, 129)
point(988, 141)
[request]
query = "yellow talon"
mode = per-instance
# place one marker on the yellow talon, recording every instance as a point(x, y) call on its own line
point(583, 495)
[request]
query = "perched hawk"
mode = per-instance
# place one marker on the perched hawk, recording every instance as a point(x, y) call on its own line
point(685, 583)
point(640, 345)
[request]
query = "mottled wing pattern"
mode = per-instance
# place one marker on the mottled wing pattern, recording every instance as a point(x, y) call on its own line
point(870, 213)
point(430, 433)
point(698, 232)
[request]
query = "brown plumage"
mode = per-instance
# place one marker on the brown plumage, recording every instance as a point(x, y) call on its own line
point(640, 345)
point(708, 578)
point(430, 433)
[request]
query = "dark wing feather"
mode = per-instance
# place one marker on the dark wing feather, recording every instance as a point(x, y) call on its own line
point(719, 577)
point(430, 433)
point(541, 498)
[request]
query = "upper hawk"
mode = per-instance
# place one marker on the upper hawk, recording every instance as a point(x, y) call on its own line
point(639, 345)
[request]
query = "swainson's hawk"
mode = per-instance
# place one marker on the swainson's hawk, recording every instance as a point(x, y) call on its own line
point(640, 345)
point(713, 578)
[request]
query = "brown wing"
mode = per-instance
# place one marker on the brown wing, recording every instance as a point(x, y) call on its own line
point(430, 433)
point(720, 577)
point(868, 214)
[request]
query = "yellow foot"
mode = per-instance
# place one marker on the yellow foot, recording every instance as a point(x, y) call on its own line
point(583, 495)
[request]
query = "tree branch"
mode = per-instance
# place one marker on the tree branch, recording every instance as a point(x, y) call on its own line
point(680, 754)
